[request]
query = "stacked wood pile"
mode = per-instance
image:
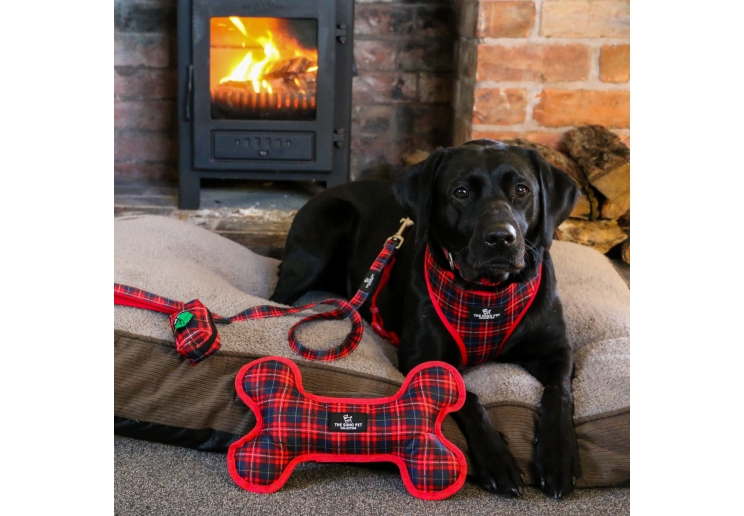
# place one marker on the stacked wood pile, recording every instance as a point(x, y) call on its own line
point(599, 162)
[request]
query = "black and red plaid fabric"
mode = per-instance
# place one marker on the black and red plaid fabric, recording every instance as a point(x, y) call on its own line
point(293, 426)
point(138, 298)
point(196, 342)
point(192, 324)
point(480, 319)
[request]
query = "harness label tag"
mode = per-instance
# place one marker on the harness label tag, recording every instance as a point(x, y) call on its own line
point(485, 313)
point(347, 422)
point(367, 282)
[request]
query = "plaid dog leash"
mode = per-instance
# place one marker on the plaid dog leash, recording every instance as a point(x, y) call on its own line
point(194, 326)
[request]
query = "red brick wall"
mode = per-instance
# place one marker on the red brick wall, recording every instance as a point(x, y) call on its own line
point(145, 89)
point(401, 101)
point(534, 69)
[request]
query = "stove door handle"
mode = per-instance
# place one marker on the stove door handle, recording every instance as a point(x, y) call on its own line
point(189, 90)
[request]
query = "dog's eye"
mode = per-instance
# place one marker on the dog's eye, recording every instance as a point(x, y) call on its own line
point(521, 190)
point(461, 193)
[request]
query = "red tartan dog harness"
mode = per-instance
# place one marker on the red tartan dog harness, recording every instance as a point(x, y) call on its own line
point(480, 319)
point(293, 426)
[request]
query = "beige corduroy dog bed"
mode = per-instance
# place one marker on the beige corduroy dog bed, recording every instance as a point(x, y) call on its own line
point(160, 396)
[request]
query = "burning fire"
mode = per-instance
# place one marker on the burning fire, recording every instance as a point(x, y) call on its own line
point(260, 54)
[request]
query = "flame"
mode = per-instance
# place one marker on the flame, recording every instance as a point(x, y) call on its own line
point(239, 24)
point(277, 46)
point(248, 70)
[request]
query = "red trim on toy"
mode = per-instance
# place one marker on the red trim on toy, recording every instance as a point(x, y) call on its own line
point(345, 457)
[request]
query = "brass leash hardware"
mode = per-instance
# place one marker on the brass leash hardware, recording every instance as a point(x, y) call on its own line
point(405, 223)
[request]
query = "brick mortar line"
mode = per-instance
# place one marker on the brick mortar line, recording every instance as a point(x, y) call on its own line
point(533, 92)
point(168, 33)
point(532, 126)
point(402, 103)
point(401, 4)
point(538, 20)
point(406, 39)
point(173, 131)
point(139, 162)
point(589, 85)
point(145, 99)
point(145, 67)
point(164, 32)
point(385, 70)
point(594, 65)
point(514, 42)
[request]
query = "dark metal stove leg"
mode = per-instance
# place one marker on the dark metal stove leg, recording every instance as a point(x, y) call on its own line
point(188, 192)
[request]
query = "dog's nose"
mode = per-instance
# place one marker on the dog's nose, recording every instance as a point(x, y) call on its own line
point(502, 234)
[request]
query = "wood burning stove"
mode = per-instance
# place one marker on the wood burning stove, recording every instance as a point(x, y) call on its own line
point(264, 91)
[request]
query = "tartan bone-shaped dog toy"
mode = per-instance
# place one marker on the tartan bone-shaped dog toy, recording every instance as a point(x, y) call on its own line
point(293, 426)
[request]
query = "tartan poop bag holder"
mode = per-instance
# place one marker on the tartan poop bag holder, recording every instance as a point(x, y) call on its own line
point(293, 426)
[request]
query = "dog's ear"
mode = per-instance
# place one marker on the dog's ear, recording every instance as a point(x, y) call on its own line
point(558, 195)
point(414, 190)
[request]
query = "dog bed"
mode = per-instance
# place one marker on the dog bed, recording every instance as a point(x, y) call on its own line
point(160, 396)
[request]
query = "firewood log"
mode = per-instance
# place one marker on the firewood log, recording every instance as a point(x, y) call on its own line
point(601, 235)
point(605, 161)
point(625, 251)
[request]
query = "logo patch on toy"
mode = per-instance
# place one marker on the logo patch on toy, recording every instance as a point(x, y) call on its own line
point(347, 422)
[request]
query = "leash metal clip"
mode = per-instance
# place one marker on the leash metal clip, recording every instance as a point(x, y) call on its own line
point(405, 223)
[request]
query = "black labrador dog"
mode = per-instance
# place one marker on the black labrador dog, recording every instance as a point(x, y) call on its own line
point(488, 212)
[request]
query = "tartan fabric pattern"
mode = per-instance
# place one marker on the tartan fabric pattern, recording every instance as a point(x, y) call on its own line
point(382, 260)
point(195, 341)
point(479, 340)
point(132, 296)
point(293, 426)
point(198, 338)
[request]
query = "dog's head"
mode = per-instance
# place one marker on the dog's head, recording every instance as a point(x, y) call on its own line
point(487, 204)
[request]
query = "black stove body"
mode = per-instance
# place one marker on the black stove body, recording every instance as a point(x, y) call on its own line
point(264, 91)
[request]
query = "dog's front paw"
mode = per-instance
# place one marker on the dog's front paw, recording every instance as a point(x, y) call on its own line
point(496, 469)
point(557, 463)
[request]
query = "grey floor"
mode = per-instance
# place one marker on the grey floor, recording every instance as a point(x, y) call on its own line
point(158, 479)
